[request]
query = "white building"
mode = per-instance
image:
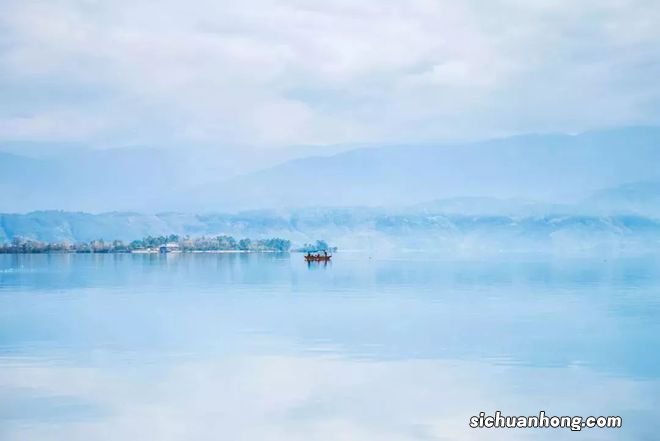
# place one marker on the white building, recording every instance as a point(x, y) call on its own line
point(170, 247)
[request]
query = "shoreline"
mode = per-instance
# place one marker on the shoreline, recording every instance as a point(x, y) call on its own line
point(158, 252)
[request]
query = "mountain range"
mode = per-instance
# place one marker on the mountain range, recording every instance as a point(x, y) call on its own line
point(546, 169)
point(594, 191)
point(459, 224)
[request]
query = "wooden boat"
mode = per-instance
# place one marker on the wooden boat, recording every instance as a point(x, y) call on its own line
point(317, 258)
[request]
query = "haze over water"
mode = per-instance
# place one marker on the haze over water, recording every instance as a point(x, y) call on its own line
point(265, 347)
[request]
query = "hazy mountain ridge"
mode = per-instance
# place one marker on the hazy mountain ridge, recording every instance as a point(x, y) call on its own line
point(491, 195)
point(126, 179)
point(85, 180)
point(353, 228)
point(550, 168)
point(559, 168)
point(636, 197)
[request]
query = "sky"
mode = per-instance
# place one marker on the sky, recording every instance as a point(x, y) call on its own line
point(276, 74)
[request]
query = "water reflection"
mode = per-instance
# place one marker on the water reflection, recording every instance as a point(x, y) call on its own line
point(260, 347)
point(312, 265)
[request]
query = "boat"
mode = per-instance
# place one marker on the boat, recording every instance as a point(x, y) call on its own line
point(317, 258)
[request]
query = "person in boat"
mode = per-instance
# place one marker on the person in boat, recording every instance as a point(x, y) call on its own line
point(325, 253)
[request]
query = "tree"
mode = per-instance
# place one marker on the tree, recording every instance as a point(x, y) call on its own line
point(274, 244)
point(226, 243)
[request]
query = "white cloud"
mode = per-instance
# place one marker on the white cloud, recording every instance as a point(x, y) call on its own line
point(298, 71)
point(55, 127)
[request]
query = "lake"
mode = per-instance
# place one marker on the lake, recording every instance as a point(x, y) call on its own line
point(258, 347)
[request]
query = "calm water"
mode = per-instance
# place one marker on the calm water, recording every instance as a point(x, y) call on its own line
point(263, 347)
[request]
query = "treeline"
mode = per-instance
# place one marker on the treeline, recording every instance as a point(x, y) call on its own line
point(149, 243)
point(319, 246)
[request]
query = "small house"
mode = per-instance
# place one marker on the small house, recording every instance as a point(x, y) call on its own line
point(170, 247)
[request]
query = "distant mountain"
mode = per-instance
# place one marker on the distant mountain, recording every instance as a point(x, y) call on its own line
point(551, 169)
point(483, 206)
point(86, 180)
point(78, 179)
point(638, 198)
point(559, 168)
point(364, 228)
point(43, 176)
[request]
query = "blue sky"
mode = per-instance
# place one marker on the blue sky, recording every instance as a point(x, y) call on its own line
point(295, 72)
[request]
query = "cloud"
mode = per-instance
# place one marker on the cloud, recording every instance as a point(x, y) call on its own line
point(56, 126)
point(303, 72)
